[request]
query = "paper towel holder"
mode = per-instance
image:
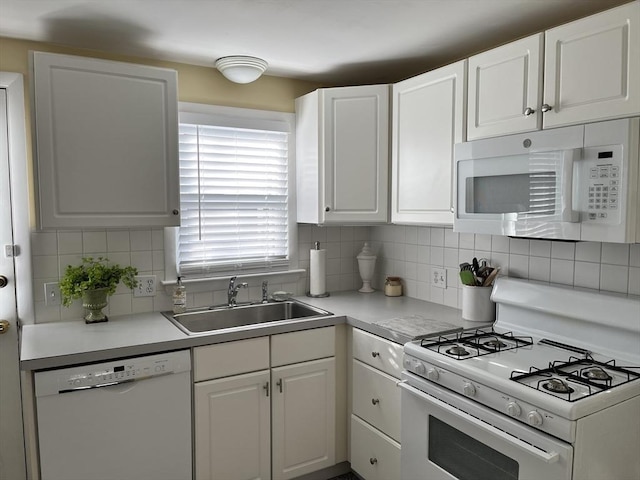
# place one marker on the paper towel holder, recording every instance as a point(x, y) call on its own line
point(309, 294)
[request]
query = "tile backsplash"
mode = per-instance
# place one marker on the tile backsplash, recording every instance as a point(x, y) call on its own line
point(52, 251)
point(406, 251)
point(410, 252)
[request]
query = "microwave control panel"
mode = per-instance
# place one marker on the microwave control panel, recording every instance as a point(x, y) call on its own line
point(603, 170)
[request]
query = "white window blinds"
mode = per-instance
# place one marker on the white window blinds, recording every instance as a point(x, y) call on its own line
point(233, 200)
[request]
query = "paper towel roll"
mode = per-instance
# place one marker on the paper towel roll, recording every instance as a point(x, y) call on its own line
point(317, 272)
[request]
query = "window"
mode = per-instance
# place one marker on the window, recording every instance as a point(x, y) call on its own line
point(234, 192)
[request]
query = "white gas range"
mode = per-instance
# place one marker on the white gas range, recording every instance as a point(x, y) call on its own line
point(551, 390)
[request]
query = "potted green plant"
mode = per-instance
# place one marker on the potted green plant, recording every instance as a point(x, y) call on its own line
point(94, 281)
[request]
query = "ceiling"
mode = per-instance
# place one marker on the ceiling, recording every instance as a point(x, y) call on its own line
point(334, 42)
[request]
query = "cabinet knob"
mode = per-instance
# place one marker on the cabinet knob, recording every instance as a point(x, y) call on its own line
point(375, 354)
point(375, 401)
point(327, 209)
point(373, 460)
point(176, 211)
point(529, 111)
point(546, 107)
point(4, 281)
point(4, 326)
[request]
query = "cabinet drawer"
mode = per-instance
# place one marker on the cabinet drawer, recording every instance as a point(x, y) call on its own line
point(377, 352)
point(376, 399)
point(374, 456)
point(295, 347)
point(231, 358)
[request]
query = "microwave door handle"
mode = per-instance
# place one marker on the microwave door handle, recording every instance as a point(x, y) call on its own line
point(547, 457)
point(568, 213)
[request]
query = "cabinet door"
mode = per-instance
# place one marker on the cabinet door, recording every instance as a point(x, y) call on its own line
point(356, 153)
point(303, 418)
point(592, 68)
point(106, 136)
point(428, 119)
point(232, 428)
point(505, 88)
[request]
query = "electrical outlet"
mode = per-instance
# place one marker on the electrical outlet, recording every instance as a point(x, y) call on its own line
point(52, 294)
point(439, 277)
point(146, 286)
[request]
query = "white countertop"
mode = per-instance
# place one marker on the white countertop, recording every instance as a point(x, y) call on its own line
point(57, 344)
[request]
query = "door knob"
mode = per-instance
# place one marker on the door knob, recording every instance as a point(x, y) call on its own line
point(3, 281)
point(4, 326)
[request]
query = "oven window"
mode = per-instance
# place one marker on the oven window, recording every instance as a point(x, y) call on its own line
point(466, 458)
point(531, 193)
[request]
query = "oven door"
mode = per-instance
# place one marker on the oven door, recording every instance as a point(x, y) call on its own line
point(458, 439)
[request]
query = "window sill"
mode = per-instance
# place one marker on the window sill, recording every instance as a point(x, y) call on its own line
point(196, 285)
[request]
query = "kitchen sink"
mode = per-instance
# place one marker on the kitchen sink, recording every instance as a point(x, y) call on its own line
point(242, 316)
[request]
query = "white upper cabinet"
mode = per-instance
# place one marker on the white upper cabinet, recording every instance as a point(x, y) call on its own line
point(591, 72)
point(592, 68)
point(342, 155)
point(428, 119)
point(106, 143)
point(505, 89)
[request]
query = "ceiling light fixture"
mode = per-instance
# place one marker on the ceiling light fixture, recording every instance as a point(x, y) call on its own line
point(240, 68)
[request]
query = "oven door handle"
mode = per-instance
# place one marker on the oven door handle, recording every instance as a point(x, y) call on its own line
point(547, 457)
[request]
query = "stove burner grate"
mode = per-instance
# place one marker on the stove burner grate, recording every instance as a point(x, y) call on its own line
point(474, 343)
point(594, 376)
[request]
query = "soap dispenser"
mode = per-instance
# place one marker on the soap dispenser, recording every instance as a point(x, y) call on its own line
point(179, 297)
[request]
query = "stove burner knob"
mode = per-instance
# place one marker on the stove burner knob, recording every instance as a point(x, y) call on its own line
point(432, 374)
point(419, 368)
point(513, 409)
point(469, 390)
point(534, 418)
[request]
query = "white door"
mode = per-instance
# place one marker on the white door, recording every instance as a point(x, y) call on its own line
point(303, 418)
point(505, 88)
point(356, 153)
point(232, 428)
point(592, 68)
point(12, 452)
point(428, 119)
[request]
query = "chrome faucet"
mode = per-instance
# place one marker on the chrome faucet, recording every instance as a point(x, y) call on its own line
point(232, 292)
point(265, 292)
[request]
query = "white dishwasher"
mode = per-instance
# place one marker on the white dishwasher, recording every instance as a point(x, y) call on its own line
point(125, 419)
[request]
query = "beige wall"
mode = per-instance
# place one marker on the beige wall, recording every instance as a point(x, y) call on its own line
point(195, 84)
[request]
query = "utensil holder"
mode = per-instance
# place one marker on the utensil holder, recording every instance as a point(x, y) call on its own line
point(477, 305)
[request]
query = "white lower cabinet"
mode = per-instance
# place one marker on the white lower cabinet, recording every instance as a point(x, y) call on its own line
point(233, 428)
point(375, 418)
point(264, 409)
point(303, 415)
point(374, 455)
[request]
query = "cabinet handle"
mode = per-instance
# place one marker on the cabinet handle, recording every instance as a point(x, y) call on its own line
point(279, 384)
point(176, 211)
point(266, 388)
point(529, 111)
point(373, 460)
point(375, 401)
point(375, 354)
point(327, 209)
point(546, 107)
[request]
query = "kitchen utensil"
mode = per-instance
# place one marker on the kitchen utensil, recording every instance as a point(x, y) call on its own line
point(491, 277)
point(467, 278)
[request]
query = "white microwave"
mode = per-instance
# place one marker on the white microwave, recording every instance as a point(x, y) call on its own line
point(570, 183)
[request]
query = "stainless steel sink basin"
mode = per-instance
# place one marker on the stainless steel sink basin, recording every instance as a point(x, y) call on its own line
point(246, 316)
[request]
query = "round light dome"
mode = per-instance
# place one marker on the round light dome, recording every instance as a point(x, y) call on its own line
point(241, 69)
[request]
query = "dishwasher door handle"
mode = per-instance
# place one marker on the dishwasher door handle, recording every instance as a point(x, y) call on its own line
point(84, 388)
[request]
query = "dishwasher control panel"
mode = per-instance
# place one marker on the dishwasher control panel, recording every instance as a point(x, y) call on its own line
point(52, 382)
